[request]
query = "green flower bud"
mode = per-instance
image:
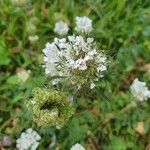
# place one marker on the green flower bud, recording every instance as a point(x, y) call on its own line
point(50, 107)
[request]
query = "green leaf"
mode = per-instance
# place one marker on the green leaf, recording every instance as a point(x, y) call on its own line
point(118, 144)
point(19, 96)
point(4, 54)
point(12, 80)
point(77, 130)
point(146, 31)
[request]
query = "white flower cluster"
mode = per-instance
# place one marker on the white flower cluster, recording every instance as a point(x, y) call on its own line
point(76, 57)
point(28, 140)
point(77, 147)
point(140, 90)
point(61, 28)
point(83, 24)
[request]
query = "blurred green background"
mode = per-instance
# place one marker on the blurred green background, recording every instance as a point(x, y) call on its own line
point(104, 121)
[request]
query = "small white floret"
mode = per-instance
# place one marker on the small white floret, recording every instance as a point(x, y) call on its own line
point(92, 85)
point(61, 28)
point(83, 24)
point(33, 39)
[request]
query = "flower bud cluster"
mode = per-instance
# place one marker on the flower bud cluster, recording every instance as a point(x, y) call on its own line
point(50, 107)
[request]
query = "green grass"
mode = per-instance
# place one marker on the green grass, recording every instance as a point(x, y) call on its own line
point(104, 119)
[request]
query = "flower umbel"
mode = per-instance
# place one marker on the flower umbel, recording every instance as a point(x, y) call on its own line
point(75, 58)
point(140, 90)
point(61, 28)
point(28, 140)
point(83, 24)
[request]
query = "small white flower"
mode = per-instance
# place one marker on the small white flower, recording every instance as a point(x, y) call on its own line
point(77, 147)
point(80, 64)
point(83, 24)
point(90, 40)
point(55, 81)
point(140, 90)
point(92, 85)
point(61, 28)
point(28, 140)
point(101, 68)
point(33, 39)
point(23, 75)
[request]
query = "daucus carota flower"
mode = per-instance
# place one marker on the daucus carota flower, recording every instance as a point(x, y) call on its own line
point(83, 24)
point(140, 90)
point(28, 140)
point(61, 28)
point(76, 59)
point(50, 107)
point(77, 147)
